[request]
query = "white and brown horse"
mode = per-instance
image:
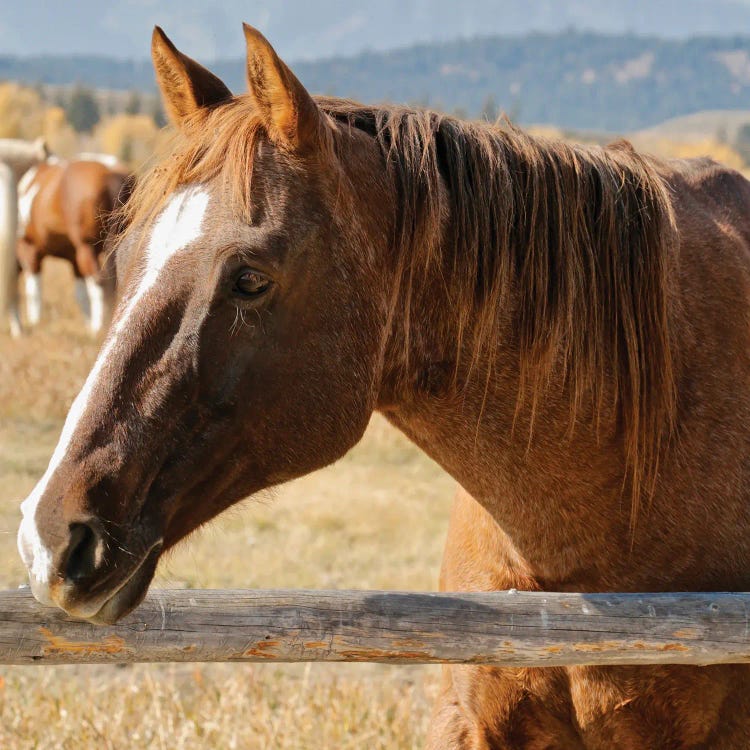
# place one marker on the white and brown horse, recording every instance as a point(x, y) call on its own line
point(563, 328)
point(64, 210)
point(16, 158)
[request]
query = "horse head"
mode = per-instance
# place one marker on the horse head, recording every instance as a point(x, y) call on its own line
point(246, 345)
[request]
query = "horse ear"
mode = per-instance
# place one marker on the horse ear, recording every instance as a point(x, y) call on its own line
point(185, 85)
point(291, 117)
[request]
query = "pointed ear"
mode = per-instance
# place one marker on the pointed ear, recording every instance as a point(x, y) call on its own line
point(291, 117)
point(185, 85)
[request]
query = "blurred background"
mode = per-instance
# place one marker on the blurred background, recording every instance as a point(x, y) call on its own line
point(672, 74)
point(674, 77)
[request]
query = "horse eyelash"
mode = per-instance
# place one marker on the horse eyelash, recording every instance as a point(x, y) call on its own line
point(239, 320)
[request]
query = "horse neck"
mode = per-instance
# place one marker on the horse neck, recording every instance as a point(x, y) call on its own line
point(535, 270)
point(519, 457)
point(557, 496)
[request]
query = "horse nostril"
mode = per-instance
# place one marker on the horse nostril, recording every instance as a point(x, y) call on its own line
point(85, 552)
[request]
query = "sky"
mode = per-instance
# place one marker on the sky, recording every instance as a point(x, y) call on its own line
point(309, 29)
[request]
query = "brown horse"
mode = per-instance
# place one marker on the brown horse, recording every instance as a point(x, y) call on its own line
point(563, 328)
point(64, 210)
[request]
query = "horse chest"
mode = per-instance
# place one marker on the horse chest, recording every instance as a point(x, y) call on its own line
point(593, 708)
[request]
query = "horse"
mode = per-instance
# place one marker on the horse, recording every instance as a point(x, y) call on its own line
point(64, 211)
point(563, 328)
point(16, 157)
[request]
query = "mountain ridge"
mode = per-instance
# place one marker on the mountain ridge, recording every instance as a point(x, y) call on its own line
point(577, 80)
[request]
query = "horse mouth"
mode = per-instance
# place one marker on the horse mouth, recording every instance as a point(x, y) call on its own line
point(126, 596)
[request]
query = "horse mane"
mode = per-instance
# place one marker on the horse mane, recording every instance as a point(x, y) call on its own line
point(573, 240)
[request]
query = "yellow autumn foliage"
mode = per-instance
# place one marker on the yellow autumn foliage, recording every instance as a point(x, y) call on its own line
point(131, 138)
point(57, 131)
point(21, 112)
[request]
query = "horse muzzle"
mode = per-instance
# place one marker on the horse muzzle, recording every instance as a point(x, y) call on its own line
point(89, 575)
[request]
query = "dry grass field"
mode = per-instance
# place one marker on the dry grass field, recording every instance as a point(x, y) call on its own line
point(376, 519)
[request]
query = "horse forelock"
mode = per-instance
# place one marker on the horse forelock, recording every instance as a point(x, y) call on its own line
point(218, 142)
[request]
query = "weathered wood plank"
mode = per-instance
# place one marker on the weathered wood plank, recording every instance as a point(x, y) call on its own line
point(505, 628)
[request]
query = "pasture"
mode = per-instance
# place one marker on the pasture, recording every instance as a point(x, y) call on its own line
point(376, 519)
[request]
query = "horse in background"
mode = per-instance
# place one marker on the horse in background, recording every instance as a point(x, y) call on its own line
point(16, 158)
point(63, 211)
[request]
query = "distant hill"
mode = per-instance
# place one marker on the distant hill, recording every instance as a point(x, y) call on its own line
point(574, 80)
point(302, 29)
point(701, 125)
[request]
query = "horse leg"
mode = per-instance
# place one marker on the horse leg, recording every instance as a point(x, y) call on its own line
point(679, 707)
point(31, 263)
point(82, 295)
point(14, 321)
point(449, 729)
point(98, 304)
point(14, 317)
point(33, 287)
point(491, 708)
point(87, 266)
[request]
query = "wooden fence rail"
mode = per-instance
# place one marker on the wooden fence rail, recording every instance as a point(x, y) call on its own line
point(513, 628)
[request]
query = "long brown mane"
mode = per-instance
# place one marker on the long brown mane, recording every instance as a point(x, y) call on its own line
point(574, 240)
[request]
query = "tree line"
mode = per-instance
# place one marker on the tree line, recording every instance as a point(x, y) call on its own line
point(575, 80)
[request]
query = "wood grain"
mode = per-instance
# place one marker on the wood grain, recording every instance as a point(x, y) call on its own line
point(505, 628)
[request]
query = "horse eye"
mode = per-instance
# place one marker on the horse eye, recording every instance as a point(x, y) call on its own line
point(250, 284)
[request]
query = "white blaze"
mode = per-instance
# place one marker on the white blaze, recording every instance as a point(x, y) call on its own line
point(178, 225)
